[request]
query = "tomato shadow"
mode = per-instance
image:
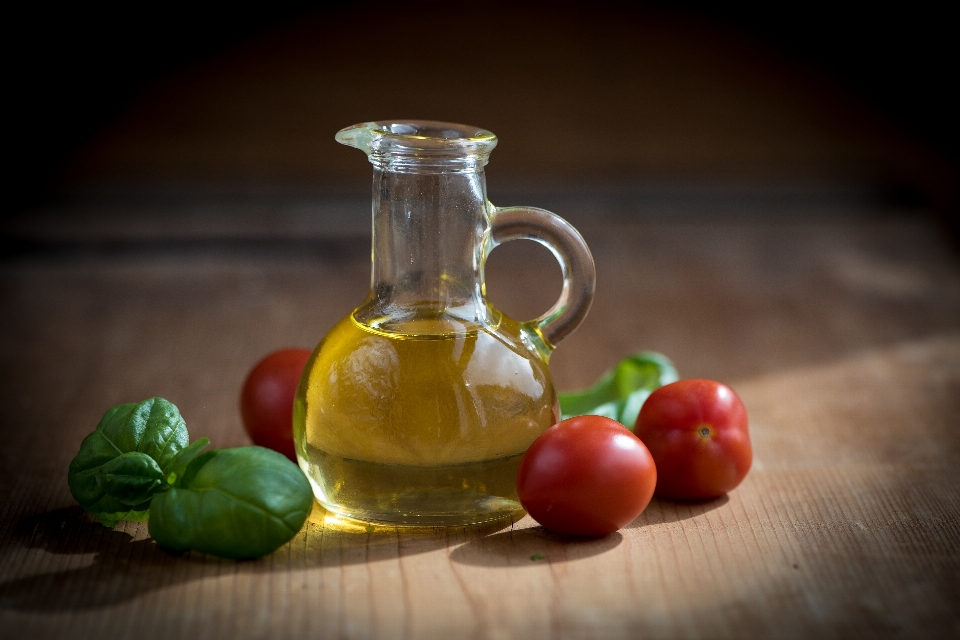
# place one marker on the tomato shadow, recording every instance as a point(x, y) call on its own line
point(663, 510)
point(530, 547)
point(108, 566)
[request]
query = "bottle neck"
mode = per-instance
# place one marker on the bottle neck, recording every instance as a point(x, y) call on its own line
point(429, 234)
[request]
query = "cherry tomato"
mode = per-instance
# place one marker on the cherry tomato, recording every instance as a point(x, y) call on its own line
point(586, 476)
point(697, 432)
point(266, 402)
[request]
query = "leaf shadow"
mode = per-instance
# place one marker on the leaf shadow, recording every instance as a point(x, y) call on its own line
point(107, 575)
point(110, 566)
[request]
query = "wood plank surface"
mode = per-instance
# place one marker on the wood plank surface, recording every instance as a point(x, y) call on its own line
point(748, 218)
point(839, 329)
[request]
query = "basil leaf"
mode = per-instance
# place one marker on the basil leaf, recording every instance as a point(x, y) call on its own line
point(621, 391)
point(234, 503)
point(179, 464)
point(153, 428)
point(131, 479)
point(133, 515)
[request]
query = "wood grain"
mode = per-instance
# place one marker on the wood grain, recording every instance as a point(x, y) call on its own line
point(841, 333)
point(731, 202)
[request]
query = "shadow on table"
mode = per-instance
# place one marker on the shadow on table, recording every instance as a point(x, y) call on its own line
point(533, 545)
point(662, 511)
point(530, 547)
point(109, 566)
point(112, 565)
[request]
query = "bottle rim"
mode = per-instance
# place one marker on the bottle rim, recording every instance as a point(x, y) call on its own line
point(423, 136)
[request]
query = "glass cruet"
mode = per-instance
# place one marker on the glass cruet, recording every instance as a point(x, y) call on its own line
point(416, 408)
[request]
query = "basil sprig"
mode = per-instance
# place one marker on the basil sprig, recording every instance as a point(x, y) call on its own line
point(621, 391)
point(234, 503)
point(123, 462)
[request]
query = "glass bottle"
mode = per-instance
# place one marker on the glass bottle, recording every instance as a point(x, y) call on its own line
point(417, 407)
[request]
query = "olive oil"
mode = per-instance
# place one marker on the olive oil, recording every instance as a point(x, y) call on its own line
point(424, 423)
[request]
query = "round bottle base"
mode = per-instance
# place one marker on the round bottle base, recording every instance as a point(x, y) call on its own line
point(454, 495)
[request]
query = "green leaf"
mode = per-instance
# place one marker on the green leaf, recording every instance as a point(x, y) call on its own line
point(234, 503)
point(131, 479)
point(179, 464)
point(133, 515)
point(621, 391)
point(153, 428)
point(197, 463)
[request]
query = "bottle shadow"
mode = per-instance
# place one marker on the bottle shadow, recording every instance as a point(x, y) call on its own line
point(112, 566)
point(530, 547)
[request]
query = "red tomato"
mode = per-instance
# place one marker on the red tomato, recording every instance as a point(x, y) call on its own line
point(266, 402)
point(586, 476)
point(697, 432)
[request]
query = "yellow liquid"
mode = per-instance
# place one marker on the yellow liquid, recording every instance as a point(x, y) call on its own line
point(426, 426)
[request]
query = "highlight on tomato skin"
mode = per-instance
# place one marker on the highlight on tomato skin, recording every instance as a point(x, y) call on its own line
point(697, 432)
point(586, 476)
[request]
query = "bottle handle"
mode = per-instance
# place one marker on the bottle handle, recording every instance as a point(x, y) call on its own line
point(567, 246)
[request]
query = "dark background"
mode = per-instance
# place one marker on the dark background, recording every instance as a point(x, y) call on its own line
point(74, 69)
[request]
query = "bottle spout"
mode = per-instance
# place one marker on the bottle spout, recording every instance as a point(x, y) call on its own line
point(358, 136)
point(418, 141)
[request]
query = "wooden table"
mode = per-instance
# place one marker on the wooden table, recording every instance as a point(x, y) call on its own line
point(837, 322)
